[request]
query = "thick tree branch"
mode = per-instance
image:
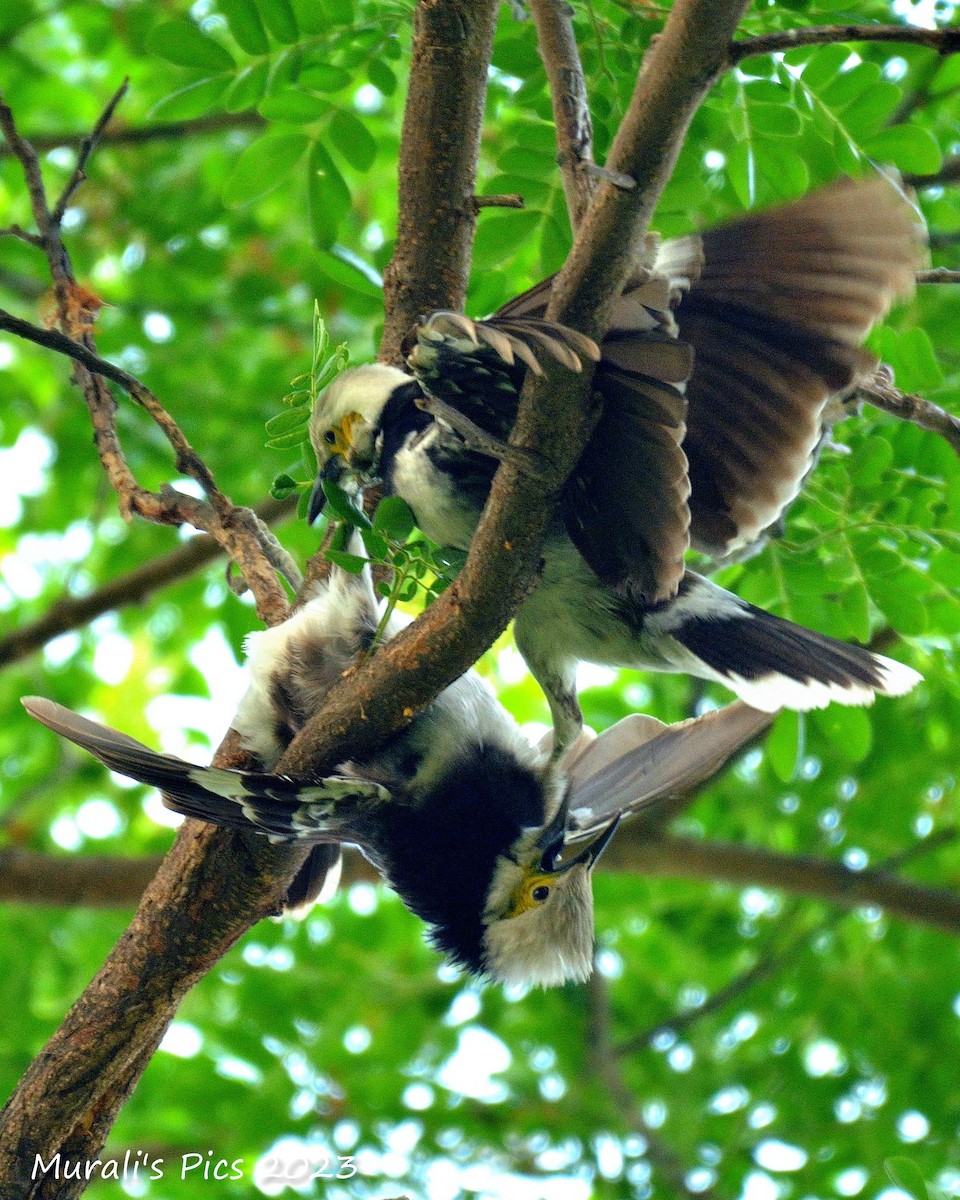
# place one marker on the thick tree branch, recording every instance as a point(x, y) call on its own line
point(689, 858)
point(440, 143)
point(71, 612)
point(571, 109)
point(944, 41)
point(96, 880)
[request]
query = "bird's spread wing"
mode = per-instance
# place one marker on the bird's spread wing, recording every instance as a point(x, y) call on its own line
point(478, 367)
point(625, 506)
point(640, 760)
point(281, 808)
point(777, 306)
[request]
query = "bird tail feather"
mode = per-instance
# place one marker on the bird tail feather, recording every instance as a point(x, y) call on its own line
point(771, 663)
point(277, 806)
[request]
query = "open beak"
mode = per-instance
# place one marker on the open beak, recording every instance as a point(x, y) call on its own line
point(588, 856)
point(333, 469)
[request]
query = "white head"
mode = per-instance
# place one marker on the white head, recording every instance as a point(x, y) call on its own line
point(346, 418)
point(539, 915)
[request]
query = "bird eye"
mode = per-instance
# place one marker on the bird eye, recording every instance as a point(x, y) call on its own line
point(540, 893)
point(330, 437)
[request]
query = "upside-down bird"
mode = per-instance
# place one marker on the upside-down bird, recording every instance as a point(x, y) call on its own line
point(712, 382)
point(464, 816)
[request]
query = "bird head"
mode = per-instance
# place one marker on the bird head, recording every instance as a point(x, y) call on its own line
point(345, 424)
point(539, 915)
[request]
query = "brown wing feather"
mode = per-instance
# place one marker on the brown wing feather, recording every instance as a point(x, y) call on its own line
point(777, 306)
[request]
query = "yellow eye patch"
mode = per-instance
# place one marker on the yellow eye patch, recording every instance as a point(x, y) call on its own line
point(530, 893)
point(340, 437)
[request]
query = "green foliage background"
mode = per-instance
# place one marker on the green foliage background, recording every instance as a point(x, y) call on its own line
point(341, 1031)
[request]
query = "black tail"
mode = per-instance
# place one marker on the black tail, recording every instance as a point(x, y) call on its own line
point(771, 663)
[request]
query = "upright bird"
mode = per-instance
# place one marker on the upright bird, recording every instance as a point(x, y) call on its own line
point(712, 382)
point(465, 817)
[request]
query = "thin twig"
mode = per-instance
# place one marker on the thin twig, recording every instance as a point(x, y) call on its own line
point(87, 147)
point(505, 200)
point(879, 391)
point(938, 275)
point(72, 612)
point(17, 231)
point(606, 1069)
point(137, 135)
point(557, 44)
point(944, 41)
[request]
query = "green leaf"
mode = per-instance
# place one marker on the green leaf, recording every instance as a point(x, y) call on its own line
point(849, 730)
point(283, 486)
point(280, 19)
point(784, 745)
point(323, 77)
point(286, 421)
point(394, 518)
point(328, 195)
point(870, 462)
point(741, 173)
point(899, 605)
point(375, 545)
point(247, 89)
point(351, 138)
point(822, 65)
point(342, 506)
point(184, 43)
point(348, 274)
point(855, 603)
point(287, 441)
point(195, 100)
point(245, 25)
point(353, 563)
point(908, 147)
point(501, 234)
point(907, 1175)
point(774, 120)
point(786, 172)
point(263, 166)
point(295, 106)
point(915, 361)
point(381, 76)
point(850, 84)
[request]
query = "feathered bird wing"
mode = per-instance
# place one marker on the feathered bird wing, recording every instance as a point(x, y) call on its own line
point(777, 306)
point(771, 309)
point(640, 760)
point(282, 808)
